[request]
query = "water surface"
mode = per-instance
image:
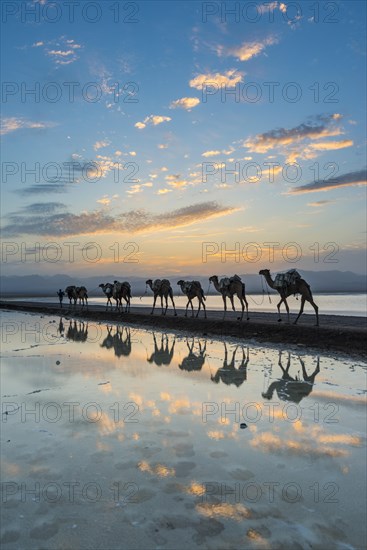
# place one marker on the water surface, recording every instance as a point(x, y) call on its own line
point(116, 437)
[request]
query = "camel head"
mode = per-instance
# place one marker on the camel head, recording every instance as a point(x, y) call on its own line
point(264, 272)
point(149, 282)
point(267, 395)
point(101, 285)
point(213, 278)
point(180, 282)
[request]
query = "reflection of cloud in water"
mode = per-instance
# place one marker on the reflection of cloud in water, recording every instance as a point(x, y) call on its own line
point(159, 470)
point(10, 468)
point(347, 400)
point(237, 512)
point(195, 488)
point(270, 443)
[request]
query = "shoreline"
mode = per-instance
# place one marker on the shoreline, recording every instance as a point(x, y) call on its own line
point(336, 333)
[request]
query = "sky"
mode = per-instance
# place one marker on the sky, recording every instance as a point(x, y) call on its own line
point(176, 138)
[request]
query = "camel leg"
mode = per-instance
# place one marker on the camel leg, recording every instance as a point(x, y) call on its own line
point(246, 304)
point(201, 303)
point(287, 308)
point(316, 311)
point(311, 378)
point(232, 303)
point(225, 305)
point(187, 305)
point(301, 309)
point(243, 309)
point(192, 309)
point(154, 301)
point(286, 375)
point(166, 300)
point(199, 308)
point(204, 307)
point(278, 307)
point(173, 303)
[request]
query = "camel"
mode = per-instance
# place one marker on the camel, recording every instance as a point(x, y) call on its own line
point(228, 288)
point(163, 355)
point(228, 374)
point(299, 286)
point(193, 289)
point(70, 292)
point(292, 389)
point(162, 288)
point(82, 295)
point(76, 293)
point(193, 361)
point(122, 291)
point(107, 290)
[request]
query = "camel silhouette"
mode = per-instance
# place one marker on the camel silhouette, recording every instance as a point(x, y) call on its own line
point(77, 331)
point(193, 361)
point(299, 286)
point(229, 374)
point(120, 344)
point(289, 388)
point(162, 355)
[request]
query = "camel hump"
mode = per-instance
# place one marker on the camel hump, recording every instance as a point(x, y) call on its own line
point(286, 279)
point(157, 284)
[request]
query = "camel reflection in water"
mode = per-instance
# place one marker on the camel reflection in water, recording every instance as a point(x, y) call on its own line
point(120, 341)
point(193, 361)
point(289, 388)
point(163, 354)
point(77, 331)
point(61, 327)
point(229, 374)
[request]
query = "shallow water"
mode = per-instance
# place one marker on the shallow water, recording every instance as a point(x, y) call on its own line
point(354, 304)
point(116, 437)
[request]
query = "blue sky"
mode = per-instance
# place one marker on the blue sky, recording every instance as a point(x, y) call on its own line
point(153, 153)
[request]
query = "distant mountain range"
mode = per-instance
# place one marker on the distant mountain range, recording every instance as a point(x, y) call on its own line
point(39, 285)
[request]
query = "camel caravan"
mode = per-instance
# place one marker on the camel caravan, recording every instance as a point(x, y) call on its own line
point(285, 284)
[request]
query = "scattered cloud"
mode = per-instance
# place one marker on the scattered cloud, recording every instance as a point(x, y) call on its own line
point(101, 144)
point(43, 189)
point(323, 126)
point(152, 120)
point(210, 153)
point(216, 152)
point(12, 124)
point(176, 181)
point(138, 188)
point(101, 221)
point(349, 179)
point(318, 204)
point(187, 103)
point(230, 78)
point(62, 50)
point(297, 143)
point(247, 50)
point(330, 145)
